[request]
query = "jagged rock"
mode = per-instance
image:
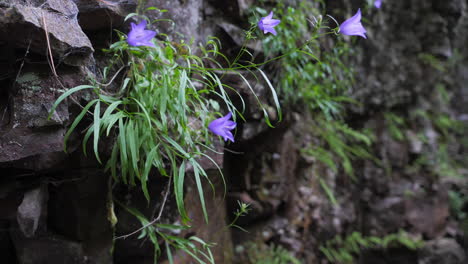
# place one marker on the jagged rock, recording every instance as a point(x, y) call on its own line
point(442, 251)
point(20, 143)
point(392, 255)
point(96, 15)
point(186, 15)
point(6, 245)
point(33, 101)
point(48, 249)
point(32, 210)
point(132, 249)
point(392, 65)
point(289, 203)
point(215, 230)
point(78, 206)
point(28, 131)
point(428, 216)
point(79, 210)
point(67, 41)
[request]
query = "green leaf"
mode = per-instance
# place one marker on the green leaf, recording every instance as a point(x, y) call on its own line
point(176, 146)
point(169, 253)
point(132, 138)
point(219, 170)
point(112, 119)
point(148, 165)
point(275, 96)
point(148, 118)
point(112, 162)
point(110, 109)
point(97, 124)
point(179, 177)
point(328, 191)
point(123, 151)
point(173, 227)
point(66, 94)
point(196, 173)
point(76, 122)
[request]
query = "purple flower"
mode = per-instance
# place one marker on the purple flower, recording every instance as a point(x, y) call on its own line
point(353, 26)
point(221, 127)
point(138, 36)
point(377, 3)
point(266, 24)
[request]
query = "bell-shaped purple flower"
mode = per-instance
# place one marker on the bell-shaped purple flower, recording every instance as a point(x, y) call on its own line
point(139, 36)
point(353, 26)
point(222, 127)
point(267, 24)
point(378, 3)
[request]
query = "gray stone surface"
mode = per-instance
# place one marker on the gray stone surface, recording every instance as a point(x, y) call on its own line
point(264, 168)
point(30, 20)
point(32, 210)
point(442, 251)
point(103, 15)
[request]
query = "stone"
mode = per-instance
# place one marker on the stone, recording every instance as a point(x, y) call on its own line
point(442, 251)
point(31, 140)
point(215, 230)
point(7, 250)
point(67, 41)
point(264, 168)
point(20, 143)
point(132, 249)
point(48, 249)
point(78, 206)
point(102, 15)
point(428, 216)
point(32, 210)
point(33, 102)
point(186, 17)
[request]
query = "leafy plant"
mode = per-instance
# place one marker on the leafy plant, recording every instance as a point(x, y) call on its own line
point(458, 201)
point(243, 210)
point(157, 113)
point(340, 142)
point(158, 233)
point(154, 103)
point(268, 254)
point(441, 160)
point(344, 250)
point(324, 77)
point(323, 84)
point(157, 117)
point(395, 124)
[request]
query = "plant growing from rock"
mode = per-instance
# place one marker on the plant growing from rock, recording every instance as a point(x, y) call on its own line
point(161, 115)
point(344, 250)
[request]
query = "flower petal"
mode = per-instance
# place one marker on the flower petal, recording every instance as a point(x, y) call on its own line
point(226, 117)
point(266, 24)
point(353, 26)
point(273, 22)
point(142, 25)
point(222, 126)
point(378, 3)
point(230, 124)
point(270, 30)
point(260, 25)
point(228, 135)
point(270, 16)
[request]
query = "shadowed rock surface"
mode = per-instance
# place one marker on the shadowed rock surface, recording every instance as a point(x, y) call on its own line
point(55, 207)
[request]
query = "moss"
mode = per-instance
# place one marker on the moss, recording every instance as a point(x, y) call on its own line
point(29, 78)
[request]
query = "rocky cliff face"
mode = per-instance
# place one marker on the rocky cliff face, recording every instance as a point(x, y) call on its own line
point(56, 206)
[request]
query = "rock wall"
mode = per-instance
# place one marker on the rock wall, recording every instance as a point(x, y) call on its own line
point(55, 206)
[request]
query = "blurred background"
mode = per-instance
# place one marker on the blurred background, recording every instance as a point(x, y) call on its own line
point(368, 164)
